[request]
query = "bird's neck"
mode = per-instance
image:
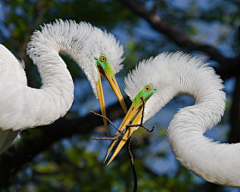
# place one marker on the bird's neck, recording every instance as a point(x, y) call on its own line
point(56, 94)
point(68, 38)
point(52, 101)
point(215, 162)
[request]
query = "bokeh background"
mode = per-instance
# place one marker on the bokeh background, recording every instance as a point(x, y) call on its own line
point(62, 156)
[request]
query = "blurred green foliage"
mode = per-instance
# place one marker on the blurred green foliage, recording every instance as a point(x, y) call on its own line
point(71, 164)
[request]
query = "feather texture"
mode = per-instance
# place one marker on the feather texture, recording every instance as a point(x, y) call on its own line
point(179, 73)
point(82, 42)
point(25, 107)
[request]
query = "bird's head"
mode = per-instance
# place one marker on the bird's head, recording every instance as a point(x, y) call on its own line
point(96, 52)
point(102, 54)
point(150, 86)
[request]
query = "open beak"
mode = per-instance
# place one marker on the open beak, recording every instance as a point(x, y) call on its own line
point(133, 117)
point(131, 120)
point(126, 136)
point(112, 81)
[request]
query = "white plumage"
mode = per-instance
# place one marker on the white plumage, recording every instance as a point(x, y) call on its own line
point(178, 73)
point(24, 107)
point(82, 42)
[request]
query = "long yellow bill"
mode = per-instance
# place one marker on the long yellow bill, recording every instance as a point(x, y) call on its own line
point(126, 136)
point(133, 117)
point(129, 116)
point(105, 69)
point(112, 81)
point(101, 100)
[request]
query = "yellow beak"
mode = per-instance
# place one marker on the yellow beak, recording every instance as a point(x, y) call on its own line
point(101, 100)
point(134, 114)
point(112, 81)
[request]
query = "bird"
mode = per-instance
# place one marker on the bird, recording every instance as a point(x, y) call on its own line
point(158, 80)
point(94, 50)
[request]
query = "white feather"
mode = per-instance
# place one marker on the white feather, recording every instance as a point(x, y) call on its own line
point(25, 107)
point(82, 42)
point(178, 73)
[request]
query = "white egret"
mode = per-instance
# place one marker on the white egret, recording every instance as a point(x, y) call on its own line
point(160, 79)
point(21, 107)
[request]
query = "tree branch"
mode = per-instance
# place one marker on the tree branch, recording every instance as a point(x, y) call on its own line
point(228, 66)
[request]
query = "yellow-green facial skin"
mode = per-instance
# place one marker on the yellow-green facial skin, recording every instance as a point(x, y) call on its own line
point(105, 66)
point(145, 93)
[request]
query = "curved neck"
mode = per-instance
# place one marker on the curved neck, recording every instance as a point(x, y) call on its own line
point(215, 162)
point(82, 42)
point(35, 107)
point(56, 94)
point(55, 97)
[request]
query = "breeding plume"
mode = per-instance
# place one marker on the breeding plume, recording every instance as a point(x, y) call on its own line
point(157, 81)
point(95, 51)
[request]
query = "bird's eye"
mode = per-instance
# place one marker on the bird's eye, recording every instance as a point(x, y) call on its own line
point(103, 59)
point(147, 88)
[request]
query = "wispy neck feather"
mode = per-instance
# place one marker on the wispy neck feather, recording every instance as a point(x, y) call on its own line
point(179, 73)
point(216, 162)
point(82, 42)
point(28, 107)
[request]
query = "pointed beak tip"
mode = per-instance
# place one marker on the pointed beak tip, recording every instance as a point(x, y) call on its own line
point(127, 134)
point(110, 160)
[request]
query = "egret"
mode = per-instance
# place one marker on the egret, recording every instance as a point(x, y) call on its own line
point(95, 51)
point(166, 76)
